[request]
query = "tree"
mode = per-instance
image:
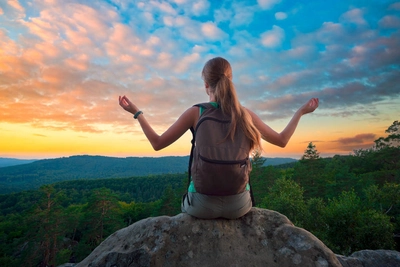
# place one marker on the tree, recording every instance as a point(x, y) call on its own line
point(47, 226)
point(338, 176)
point(384, 199)
point(134, 212)
point(314, 221)
point(101, 218)
point(286, 197)
point(258, 181)
point(352, 227)
point(385, 155)
point(308, 172)
point(170, 203)
point(392, 140)
point(257, 161)
point(310, 153)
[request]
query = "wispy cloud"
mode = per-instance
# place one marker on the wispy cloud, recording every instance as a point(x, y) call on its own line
point(267, 4)
point(358, 139)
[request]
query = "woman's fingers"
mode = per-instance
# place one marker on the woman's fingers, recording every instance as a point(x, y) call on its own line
point(123, 103)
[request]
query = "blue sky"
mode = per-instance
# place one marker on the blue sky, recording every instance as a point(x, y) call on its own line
point(64, 63)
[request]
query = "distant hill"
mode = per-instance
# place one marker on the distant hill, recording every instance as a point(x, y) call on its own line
point(5, 162)
point(47, 171)
point(278, 161)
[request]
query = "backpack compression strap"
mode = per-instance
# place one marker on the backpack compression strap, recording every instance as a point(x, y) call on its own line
point(191, 156)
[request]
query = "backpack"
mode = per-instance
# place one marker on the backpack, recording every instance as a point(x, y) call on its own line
point(218, 165)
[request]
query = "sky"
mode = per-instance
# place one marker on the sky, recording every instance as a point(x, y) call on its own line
point(63, 64)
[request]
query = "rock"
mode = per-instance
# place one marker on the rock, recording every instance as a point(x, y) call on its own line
point(371, 258)
point(260, 238)
point(67, 265)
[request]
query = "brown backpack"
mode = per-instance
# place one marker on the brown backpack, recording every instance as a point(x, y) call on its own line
point(218, 165)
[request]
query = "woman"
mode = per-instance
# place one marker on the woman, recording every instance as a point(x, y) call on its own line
point(217, 76)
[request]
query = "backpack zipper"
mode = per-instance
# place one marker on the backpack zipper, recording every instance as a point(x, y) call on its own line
point(242, 162)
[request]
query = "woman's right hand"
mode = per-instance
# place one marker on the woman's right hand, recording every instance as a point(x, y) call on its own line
point(126, 104)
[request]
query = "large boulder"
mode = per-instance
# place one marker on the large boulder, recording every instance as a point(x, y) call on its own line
point(371, 258)
point(260, 238)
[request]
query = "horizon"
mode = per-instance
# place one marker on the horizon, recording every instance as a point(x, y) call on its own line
point(64, 64)
point(155, 156)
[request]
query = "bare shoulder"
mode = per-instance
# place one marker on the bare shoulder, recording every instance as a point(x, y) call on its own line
point(192, 114)
point(191, 111)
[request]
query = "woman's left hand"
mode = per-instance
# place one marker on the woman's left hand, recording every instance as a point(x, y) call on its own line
point(126, 104)
point(310, 106)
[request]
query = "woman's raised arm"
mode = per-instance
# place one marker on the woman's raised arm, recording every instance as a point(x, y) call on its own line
point(281, 139)
point(176, 130)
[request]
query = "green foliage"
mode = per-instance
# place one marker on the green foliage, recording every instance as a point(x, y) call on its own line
point(383, 199)
point(349, 202)
point(310, 175)
point(310, 153)
point(48, 171)
point(59, 222)
point(101, 217)
point(314, 219)
point(262, 178)
point(170, 203)
point(352, 227)
point(286, 197)
point(393, 138)
point(47, 228)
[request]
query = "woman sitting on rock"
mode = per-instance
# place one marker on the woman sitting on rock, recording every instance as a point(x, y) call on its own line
point(228, 134)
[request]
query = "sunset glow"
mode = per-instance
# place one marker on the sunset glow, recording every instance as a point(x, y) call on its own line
point(63, 65)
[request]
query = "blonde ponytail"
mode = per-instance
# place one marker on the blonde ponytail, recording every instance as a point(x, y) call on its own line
point(218, 74)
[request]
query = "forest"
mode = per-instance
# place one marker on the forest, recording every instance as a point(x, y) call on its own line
point(16, 177)
point(48, 171)
point(349, 202)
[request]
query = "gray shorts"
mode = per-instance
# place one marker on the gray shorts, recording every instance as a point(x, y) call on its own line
point(211, 207)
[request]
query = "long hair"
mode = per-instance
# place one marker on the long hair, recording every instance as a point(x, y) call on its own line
point(217, 73)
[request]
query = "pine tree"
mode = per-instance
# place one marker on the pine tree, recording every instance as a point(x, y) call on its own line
point(308, 172)
point(310, 153)
point(101, 216)
point(47, 228)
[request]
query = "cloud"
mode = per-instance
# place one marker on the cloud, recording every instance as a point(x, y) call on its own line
point(273, 38)
point(389, 22)
point(354, 16)
point(180, 2)
point(66, 64)
point(242, 15)
point(200, 7)
point(16, 5)
point(184, 63)
point(211, 31)
point(164, 7)
point(357, 139)
point(395, 6)
point(267, 4)
point(280, 15)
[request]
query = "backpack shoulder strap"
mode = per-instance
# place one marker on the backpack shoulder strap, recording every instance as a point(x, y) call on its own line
point(205, 105)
